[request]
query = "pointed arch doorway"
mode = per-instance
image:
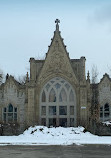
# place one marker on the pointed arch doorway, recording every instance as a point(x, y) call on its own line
point(58, 103)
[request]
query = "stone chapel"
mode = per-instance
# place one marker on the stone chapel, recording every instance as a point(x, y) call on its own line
point(57, 93)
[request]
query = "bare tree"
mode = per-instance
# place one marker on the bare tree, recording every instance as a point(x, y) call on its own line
point(40, 57)
point(1, 76)
point(21, 79)
point(95, 74)
point(109, 70)
point(95, 94)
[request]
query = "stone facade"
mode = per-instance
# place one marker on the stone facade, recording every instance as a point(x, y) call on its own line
point(12, 103)
point(56, 94)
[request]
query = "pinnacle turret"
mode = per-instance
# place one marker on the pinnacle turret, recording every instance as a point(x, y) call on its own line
point(88, 76)
point(27, 77)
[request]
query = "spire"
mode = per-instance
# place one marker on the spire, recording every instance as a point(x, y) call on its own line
point(57, 21)
point(57, 40)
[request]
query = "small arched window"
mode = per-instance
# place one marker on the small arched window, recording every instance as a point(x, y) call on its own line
point(106, 110)
point(10, 114)
point(10, 108)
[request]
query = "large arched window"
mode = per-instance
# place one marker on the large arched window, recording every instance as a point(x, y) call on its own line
point(58, 103)
point(105, 112)
point(10, 114)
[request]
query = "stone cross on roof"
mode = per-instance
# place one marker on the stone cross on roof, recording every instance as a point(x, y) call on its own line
point(57, 21)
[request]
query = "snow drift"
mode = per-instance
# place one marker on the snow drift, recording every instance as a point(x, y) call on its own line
point(41, 135)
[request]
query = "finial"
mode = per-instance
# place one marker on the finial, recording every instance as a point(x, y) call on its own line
point(7, 76)
point(57, 21)
point(88, 76)
point(27, 77)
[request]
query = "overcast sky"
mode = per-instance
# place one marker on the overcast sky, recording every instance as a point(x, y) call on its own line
point(27, 26)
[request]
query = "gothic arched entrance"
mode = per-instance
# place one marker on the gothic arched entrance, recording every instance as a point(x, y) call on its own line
point(58, 103)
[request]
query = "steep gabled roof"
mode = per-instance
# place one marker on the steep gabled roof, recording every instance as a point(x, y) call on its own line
point(12, 79)
point(57, 38)
point(105, 76)
point(57, 58)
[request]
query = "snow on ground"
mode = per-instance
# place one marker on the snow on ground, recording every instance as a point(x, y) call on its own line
point(107, 122)
point(41, 135)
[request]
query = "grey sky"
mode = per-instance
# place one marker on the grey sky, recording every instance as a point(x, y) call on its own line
point(26, 28)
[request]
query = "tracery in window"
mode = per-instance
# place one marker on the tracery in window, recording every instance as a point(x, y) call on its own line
point(58, 97)
point(71, 96)
point(67, 86)
point(57, 85)
point(43, 97)
point(52, 96)
point(47, 86)
point(62, 96)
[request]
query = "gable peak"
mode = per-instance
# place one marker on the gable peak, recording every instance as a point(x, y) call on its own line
point(57, 40)
point(105, 76)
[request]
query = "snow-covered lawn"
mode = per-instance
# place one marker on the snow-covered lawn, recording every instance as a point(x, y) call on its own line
point(107, 123)
point(41, 135)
